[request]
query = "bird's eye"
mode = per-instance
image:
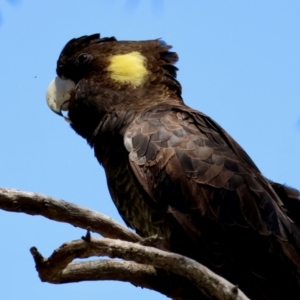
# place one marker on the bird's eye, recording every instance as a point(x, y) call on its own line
point(83, 58)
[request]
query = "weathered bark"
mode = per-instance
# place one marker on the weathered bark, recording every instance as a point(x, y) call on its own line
point(174, 275)
point(62, 211)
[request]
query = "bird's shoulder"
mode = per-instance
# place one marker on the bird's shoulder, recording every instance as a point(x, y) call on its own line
point(199, 143)
point(183, 158)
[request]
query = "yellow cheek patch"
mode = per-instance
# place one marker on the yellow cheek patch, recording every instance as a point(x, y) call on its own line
point(129, 68)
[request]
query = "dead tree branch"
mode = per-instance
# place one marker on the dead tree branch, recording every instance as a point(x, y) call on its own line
point(204, 279)
point(137, 274)
point(62, 211)
point(174, 275)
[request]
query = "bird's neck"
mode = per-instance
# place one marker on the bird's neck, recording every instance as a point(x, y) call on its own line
point(109, 114)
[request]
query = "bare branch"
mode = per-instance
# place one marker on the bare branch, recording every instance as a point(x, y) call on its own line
point(204, 279)
point(139, 275)
point(62, 211)
point(177, 277)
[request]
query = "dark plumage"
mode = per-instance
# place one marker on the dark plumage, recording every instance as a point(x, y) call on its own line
point(173, 171)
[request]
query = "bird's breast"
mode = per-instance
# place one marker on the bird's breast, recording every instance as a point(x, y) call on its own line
point(134, 205)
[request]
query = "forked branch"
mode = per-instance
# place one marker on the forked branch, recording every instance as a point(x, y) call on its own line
point(174, 275)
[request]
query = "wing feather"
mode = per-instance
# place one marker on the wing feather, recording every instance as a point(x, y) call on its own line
point(212, 192)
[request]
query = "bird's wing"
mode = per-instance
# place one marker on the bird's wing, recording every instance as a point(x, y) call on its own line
point(290, 198)
point(206, 184)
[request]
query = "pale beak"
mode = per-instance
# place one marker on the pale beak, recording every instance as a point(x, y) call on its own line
point(58, 93)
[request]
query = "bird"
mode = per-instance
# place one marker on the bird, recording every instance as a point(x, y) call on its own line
point(172, 171)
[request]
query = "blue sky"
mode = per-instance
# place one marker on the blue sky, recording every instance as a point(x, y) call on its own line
point(239, 63)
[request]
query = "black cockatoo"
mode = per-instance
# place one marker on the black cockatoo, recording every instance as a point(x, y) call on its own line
point(174, 172)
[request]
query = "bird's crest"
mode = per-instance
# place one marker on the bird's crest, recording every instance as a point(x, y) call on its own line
point(127, 63)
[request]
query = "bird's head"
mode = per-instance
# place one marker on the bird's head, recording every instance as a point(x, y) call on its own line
point(97, 74)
